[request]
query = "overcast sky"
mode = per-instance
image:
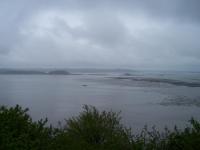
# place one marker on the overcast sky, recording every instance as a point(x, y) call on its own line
point(137, 34)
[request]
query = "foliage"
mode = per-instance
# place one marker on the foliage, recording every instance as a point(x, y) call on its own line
point(95, 130)
point(91, 130)
point(19, 132)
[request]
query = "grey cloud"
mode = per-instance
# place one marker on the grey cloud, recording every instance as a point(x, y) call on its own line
point(131, 33)
point(174, 10)
point(105, 31)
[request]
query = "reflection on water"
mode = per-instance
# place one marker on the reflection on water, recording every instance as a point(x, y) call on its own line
point(141, 102)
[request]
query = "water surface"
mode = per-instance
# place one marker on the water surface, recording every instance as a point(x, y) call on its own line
point(141, 101)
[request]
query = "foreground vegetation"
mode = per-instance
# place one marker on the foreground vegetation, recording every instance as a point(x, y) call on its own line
point(91, 130)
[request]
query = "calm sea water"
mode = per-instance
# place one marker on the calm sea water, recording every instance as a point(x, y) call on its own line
point(140, 101)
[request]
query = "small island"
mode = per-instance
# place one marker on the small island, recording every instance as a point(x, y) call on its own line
point(59, 72)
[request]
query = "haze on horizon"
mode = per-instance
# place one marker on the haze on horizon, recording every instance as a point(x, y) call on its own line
point(156, 34)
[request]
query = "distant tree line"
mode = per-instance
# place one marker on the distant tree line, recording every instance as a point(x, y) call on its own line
point(91, 130)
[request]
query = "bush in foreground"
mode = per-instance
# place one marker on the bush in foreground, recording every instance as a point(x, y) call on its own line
point(19, 132)
point(91, 130)
point(95, 130)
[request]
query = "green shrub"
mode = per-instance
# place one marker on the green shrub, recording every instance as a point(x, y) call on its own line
point(95, 130)
point(19, 132)
point(91, 130)
point(189, 139)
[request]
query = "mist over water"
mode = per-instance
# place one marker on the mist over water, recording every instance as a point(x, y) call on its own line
point(153, 98)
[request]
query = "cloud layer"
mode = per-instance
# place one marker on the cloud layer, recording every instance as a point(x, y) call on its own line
point(157, 34)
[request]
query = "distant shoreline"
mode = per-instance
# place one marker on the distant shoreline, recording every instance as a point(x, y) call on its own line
point(33, 72)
